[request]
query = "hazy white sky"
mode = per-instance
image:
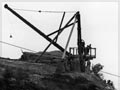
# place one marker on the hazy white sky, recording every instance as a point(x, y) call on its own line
point(99, 22)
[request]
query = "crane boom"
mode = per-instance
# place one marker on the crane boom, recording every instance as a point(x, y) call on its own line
point(35, 28)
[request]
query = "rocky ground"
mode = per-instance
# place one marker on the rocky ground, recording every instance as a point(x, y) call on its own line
point(25, 75)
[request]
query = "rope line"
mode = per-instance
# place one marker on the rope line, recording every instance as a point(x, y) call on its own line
point(45, 11)
point(25, 10)
point(17, 46)
point(57, 11)
point(110, 74)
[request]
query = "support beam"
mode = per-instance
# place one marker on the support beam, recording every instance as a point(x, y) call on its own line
point(67, 25)
point(60, 25)
point(55, 39)
point(68, 40)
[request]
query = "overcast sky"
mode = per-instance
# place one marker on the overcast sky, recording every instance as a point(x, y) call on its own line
point(99, 23)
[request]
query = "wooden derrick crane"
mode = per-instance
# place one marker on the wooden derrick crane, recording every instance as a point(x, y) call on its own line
point(80, 49)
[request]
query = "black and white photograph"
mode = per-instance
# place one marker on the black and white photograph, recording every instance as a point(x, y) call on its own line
point(59, 46)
